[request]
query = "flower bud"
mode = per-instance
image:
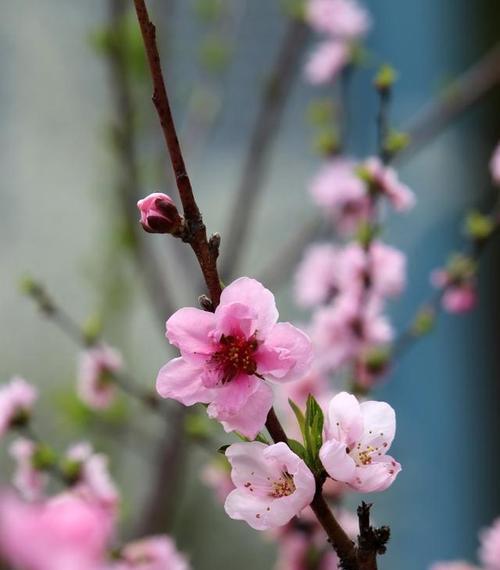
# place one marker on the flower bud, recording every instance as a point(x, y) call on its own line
point(159, 214)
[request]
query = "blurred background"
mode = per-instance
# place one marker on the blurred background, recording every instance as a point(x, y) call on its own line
point(69, 220)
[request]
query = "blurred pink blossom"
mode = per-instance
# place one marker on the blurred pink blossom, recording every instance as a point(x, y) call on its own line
point(357, 438)
point(95, 383)
point(27, 479)
point(327, 61)
point(342, 18)
point(94, 480)
point(272, 484)
point(339, 190)
point(153, 553)
point(489, 551)
point(385, 180)
point(343, 331)
point(217, 476)
point(384, 266)
point(495, 165)
point(316, 277)
point(225, 356)
point(459, 295)
point(65, 532)
point(16, 401)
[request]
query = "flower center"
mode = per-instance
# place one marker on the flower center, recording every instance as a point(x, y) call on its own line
point(283, 487)
point(236, 355)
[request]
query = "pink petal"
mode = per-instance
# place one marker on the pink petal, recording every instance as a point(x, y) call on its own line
point(377, 476)
point(241, 505)
point(251, 417)
point(286, 354)
point(345, 422)
point(190, 329)
point(248, 461)
point(337, 462)
point(253, 294)
point(235, 319)
point(181, 381)
point(379, 421)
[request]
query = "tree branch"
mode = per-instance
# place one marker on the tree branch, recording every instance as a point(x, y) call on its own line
point(270, 113)
point(196, 234)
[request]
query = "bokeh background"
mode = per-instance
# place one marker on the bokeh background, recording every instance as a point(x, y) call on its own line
point(62, 222)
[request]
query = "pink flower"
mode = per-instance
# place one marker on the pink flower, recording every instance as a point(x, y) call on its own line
point(217, 476)
point(272, 484)
point(93, 479)
point(459, 565)
point(342, 18)
point(489, 551)
point(459, 291)
point(357, 438)
point(154, 553)
point(383, 265)
point(62, 533)
point(226, 355)
point(159, 214)
point(29, 481)
point(385, 180)
point(316, 278)
point(327, 61)
point(339, 190)
point(343, 331)
point(16, 401)
point(495, 165)
point(96, 386)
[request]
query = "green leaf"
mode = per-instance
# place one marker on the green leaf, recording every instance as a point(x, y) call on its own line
point(301, 420)
point(313, 437)
point(297, 448)
point(222, 449)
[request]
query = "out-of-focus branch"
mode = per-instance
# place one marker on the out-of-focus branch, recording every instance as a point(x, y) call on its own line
point(467, 91)
point(272, 105)
point(130, 185)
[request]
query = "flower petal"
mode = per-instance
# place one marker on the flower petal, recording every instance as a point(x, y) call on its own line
point(190, 330)
point(377, 476)
point(242, 505)
point(253, 294)
point(337, 462)
point(379, 429)
point(345, 422)
point(251, 417)
point(181, 381)
point(286, 354)
point(235, 319)
point(248, 462)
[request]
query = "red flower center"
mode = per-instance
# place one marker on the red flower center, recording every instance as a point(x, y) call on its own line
point(236, 355)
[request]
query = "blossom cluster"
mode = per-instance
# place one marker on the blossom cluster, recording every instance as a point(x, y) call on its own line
point(74, 528)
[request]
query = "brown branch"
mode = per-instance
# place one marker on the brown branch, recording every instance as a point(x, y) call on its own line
point(371, 541)
point(272, 105)
point(129, 186)
point(196, 234)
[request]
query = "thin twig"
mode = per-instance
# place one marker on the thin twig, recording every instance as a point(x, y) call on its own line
point(196, 234)
point(130, 184)
point(272, 105)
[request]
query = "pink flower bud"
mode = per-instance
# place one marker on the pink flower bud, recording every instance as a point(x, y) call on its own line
point(159, 214)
